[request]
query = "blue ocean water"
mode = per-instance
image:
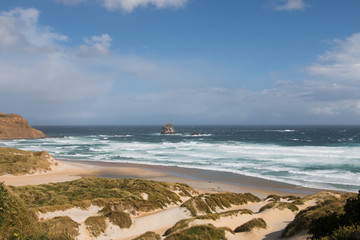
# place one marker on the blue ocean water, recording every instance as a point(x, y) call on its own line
point(312, 156)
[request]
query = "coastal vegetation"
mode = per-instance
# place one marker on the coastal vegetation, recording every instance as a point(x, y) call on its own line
point(250, 225)
point(208, 203)
point(148, 236)
point(17, 221)
point(280, 205)
point(96, 225)
point(200, 232)
point(185, 223)
point(334, 216)
point(16, 162)
point(62, 226)
point(115, 195)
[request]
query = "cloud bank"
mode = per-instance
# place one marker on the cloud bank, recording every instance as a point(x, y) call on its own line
point(91, 84)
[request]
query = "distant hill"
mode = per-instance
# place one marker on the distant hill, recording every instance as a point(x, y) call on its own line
point(14, 126)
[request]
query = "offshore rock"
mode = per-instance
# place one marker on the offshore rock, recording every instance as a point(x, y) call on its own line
point(14, 126)
point(168, 129)
point(195, 133)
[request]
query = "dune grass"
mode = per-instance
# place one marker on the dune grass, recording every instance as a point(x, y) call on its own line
point(121, 219)
point(96, 225)
point(16, 218)
point(277, 198)
point(62, 226)
point(328, 204)
point(17, 162)
point(209, 203)
point(148, 236)
point(185, 223)
point(114, 194)
point(280, 205)
point(250, 225)
point(18, 222)
point(200, 232)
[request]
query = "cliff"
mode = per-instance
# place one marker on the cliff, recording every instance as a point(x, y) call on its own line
point(13, 126)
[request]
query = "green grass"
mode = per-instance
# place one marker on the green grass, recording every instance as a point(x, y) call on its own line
point(17, 219)
point(209, 203)
point(17, 162)
point(200, 232)
point(328, 203)
point(345, 233)
point(277, 198)
point(280, 205)
point(148, 236)
point(113, 194)
point(62, 226)
point(184, 223)
point(250, 225)
point(96, 225)
point(120, 219)
point(216, 216)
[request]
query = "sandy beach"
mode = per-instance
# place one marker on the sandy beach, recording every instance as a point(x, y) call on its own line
point(203, 181)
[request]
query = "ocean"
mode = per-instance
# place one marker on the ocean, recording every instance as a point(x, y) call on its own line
point(326, 157)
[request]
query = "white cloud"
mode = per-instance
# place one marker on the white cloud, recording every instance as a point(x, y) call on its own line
point(19, 30)
point(96, 46)
point(64, 88)
point(340, 63)
point(288, 5)
point(130, 5)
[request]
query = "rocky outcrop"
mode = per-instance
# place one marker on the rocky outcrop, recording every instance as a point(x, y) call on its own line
point(168, 129)
point(13, 126)
point(195, 133)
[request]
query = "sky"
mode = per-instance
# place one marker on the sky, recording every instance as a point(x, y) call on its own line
point(188, 62)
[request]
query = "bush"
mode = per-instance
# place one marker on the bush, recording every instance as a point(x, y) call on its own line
point(200, 232)
point(250, 225)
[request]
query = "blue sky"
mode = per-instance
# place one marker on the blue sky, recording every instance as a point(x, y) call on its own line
point(119, 62)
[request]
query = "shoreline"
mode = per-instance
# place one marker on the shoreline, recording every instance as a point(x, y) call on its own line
point(200, 179)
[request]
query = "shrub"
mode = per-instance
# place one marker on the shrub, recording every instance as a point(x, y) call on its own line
point(200, 232)
point(96, 225)
point(250, 225)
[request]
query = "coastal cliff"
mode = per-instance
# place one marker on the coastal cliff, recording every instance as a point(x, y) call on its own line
point(14, 126)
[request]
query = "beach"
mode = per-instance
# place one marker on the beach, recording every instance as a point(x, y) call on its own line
point(162, 220)
point(203, 180)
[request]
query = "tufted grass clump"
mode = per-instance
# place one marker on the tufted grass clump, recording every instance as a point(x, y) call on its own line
point(277, 198)
point(96, 225)
point(209, 203)
point(250, 225)
point(148, 236)
point(62, 226)
point(118, 194)
point(280, 205)
point(121, 219)
point(185, 223)
point(16, 162)
point(16, 219)
point(329, 208)
point(200, 232)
